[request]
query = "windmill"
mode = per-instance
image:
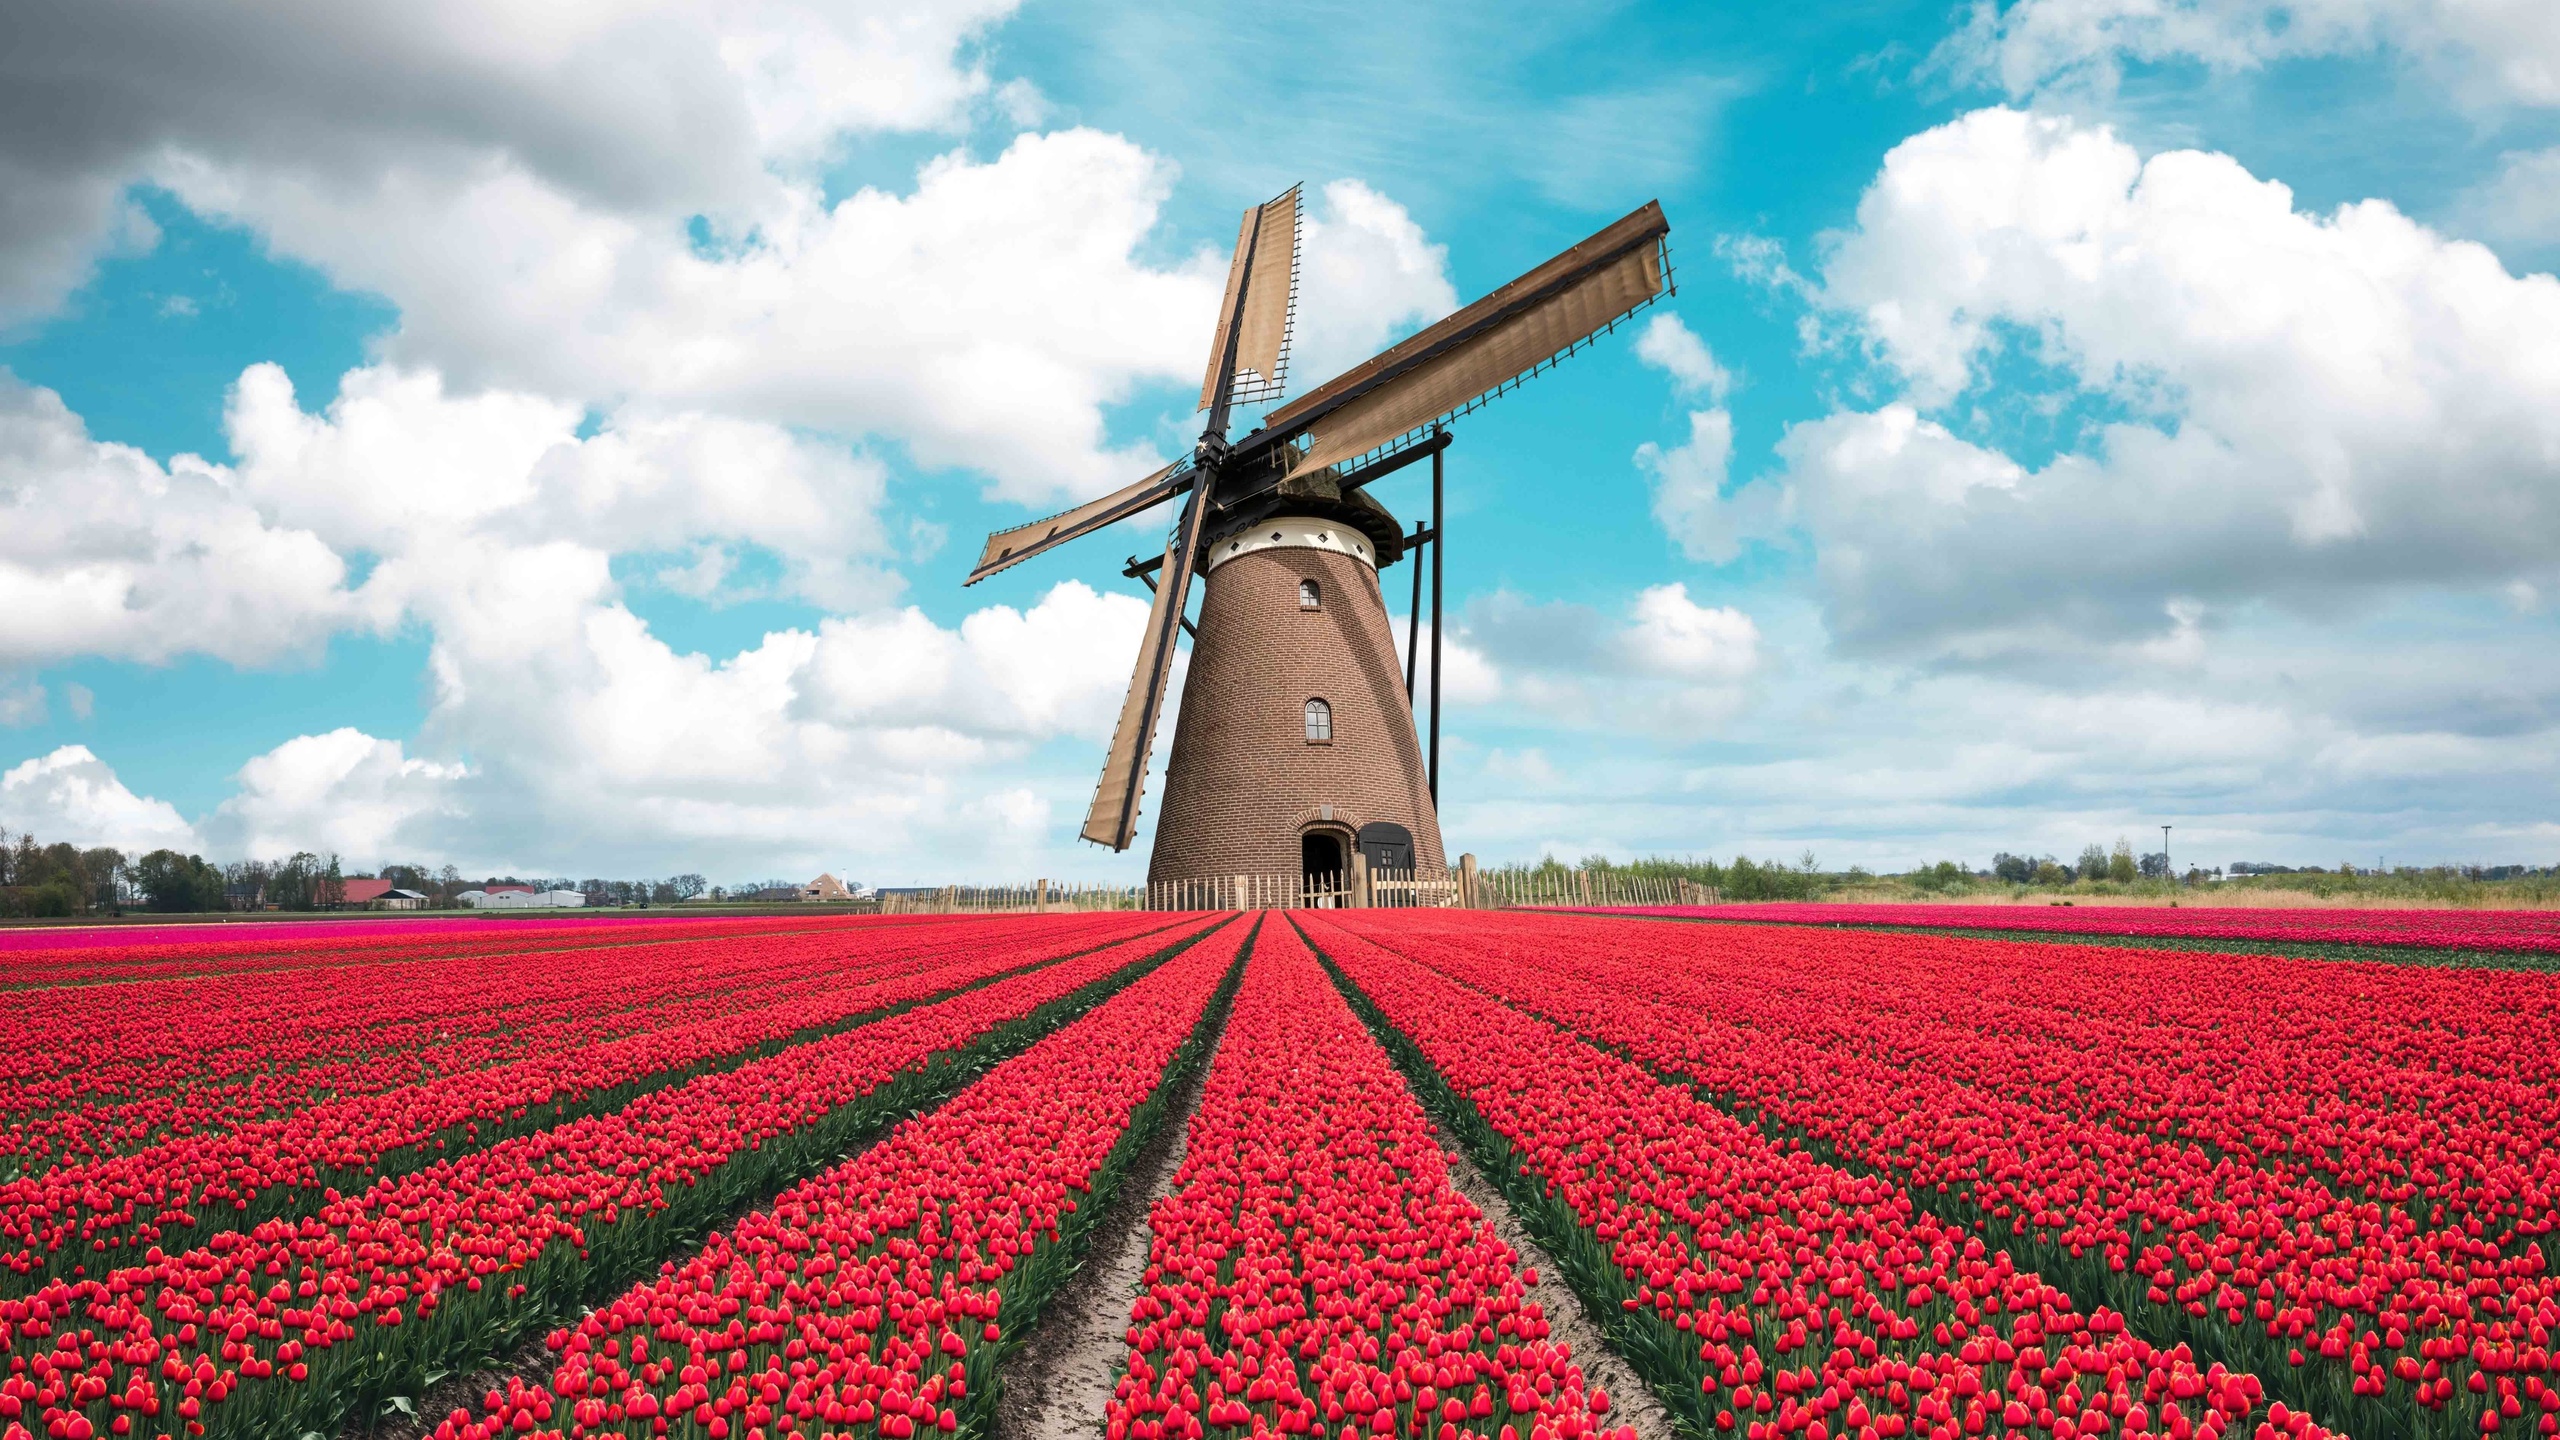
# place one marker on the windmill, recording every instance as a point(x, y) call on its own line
point(1296, 746)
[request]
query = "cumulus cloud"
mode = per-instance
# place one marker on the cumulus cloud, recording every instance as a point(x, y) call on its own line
point(1670, 346)
point(1670, 634)
point(104, 551)
point(882, 730)
point(1689, 478)
point(343, 793)
point(1366, 275)
point(653, 113)
point(399, 467)
point(1669, 665)
point(2520, 204)
point(2308, 407)
point(2503, 50)
point(70, 795)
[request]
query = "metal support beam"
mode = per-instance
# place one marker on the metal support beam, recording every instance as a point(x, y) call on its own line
point(1388, 464)
point(1145, 574)
point(1422, 535)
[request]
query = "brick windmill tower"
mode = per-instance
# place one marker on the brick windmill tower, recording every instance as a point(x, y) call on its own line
point(1296, 746)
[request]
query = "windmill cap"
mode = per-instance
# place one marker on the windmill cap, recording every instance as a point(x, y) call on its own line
point(1353, 520)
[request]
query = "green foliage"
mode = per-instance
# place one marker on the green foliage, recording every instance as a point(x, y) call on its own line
point(171, 882)
point(2120, 863)
point(40, 881)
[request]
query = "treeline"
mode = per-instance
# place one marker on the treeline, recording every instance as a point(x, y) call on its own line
point(1741, 879)
point(58, 879)
point(40, 881)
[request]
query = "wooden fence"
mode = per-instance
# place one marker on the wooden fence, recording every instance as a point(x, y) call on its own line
point(1462, 885)
point(1558, 887)
point(1038, 897)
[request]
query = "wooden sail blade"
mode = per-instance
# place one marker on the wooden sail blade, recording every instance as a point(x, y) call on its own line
point(1007, 548)
point(1478, 351)
point(1265, 270)
point(1113, 817)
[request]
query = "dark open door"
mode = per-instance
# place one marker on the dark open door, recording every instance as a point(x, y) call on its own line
point(1320, 856)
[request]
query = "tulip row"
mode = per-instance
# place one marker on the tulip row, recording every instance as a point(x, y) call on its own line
point(1760, 1290)
point(2355, 1199)
point(1313, 1272)
point(287, 1326)
point(139, 1038)
point(209, 1057)
point(878, 1298)
point(2527, 931)
point(36, 958)
point(76, 1219)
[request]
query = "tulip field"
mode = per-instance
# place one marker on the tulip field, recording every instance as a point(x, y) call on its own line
point(2522, 932)
point(825, 1177)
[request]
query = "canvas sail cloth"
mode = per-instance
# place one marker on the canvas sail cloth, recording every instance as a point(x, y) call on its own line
point(1113, 817)
point(1481, 349)
point(1006, 548)
point(1265, 268)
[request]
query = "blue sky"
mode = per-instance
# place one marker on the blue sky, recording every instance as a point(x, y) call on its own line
point(559, 452)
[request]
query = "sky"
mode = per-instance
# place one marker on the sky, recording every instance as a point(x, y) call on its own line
point(551, 439)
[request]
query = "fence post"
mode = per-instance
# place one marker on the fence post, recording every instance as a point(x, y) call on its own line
point(1467, 882)
point(1359, 897)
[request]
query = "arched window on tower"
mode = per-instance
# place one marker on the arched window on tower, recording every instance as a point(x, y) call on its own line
point(1319, 723)
point(1310, 595)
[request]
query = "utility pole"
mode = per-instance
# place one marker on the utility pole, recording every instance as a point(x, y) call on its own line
point(2166, 868)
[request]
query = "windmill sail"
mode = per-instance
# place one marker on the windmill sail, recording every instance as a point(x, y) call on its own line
point(1477, 352)
point(1266, 269)
point(1007, 548)
point(1113, 818)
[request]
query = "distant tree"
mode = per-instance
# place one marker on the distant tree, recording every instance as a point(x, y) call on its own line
point(410, 877)
point(687, 886)
point(171, 882)
point(2155, 866)
point(2121, 867)
point(2050, 873)
point(2093, 863)
point(2016, 869)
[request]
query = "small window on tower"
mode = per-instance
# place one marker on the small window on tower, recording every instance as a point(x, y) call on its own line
point(1310, 595)
point(1319, 723)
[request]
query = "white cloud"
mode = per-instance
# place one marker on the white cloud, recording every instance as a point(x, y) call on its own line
point(22, 701)
point(1470, 677)
point(70, 795)
point(1674, 635)
point(986, 319)
point(2488, 50)
point(343, 793)
point(103, 551)
point(2314, 405)
point(1672, 347)
point(1670, 666)
point(1366, 275)
point(1689, 496)
point(649, 112)
point(2520, 205)
point(399, 467)
point(1688, 491)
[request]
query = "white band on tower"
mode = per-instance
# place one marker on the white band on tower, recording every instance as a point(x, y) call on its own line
point(1292, 533)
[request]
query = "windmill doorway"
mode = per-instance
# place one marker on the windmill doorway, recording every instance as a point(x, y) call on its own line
point(1324, 866)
